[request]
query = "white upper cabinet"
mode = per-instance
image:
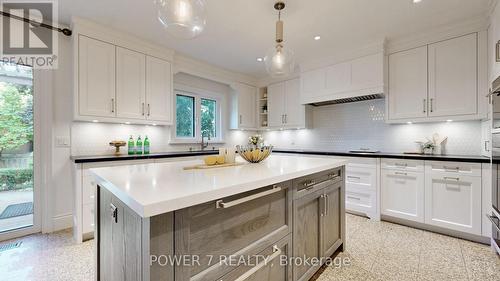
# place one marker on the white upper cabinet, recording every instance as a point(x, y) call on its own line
point(294, 110)
point(407, 97)
point(159, 97)
point(439, 81)
point(494, 44)
point(358, 77)
point(453, 77)
point(120, 79)
point(96, 78)
point(276, 105)
point(130, 84)
point(284, 107)
point(243, 107)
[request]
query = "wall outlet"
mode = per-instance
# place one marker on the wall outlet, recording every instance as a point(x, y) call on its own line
point(62, 141)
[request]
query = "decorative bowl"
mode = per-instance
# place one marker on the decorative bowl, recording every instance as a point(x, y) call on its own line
point(254, 154)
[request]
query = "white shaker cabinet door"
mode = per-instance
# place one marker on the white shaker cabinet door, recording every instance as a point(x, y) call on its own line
point(453, 202)
point(96, 78)
point(402, 195)
point(294, 110)
point(453, 77)
point(159, 97)
point(408, 84)
point(276, 104)
point(130, 84)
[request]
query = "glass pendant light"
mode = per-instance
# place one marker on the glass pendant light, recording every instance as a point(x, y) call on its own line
point(279, 60)
point(184, 19)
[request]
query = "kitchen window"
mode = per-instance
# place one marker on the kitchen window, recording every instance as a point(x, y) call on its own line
point(196, 115)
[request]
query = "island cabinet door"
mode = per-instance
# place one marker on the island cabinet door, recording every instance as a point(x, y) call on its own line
point(119, 240)
point(332, 219)
point(272, 264)
point(307, 234)
point(239, 225)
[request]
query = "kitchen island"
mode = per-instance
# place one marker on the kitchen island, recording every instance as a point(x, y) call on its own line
point(277, 220)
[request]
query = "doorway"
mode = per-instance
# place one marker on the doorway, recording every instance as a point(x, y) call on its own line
point(18, 197)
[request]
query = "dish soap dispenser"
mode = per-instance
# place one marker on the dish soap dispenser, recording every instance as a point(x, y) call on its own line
point(146, 145)
point(131, 145)
point(138, 146)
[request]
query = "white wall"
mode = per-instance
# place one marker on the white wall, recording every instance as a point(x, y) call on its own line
point(350, 126)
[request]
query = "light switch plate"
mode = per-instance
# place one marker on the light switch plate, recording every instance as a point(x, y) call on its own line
point(63, 141)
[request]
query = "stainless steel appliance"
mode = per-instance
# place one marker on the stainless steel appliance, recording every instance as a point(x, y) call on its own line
point(495, 163)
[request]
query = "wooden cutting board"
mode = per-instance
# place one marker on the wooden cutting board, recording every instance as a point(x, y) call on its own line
point(204, 166)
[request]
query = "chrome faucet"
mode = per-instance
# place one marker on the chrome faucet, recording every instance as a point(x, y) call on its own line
point(203, 143)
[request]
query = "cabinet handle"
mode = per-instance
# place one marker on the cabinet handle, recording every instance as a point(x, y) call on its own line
point(224, 205)
point(112, 105)
point(275, 254)
point(450, 178)
point(149, 109)
point(322, 204)
point(327, 207)
point(282, 119)
point(401, 164)
point(400, 174)
point(353, 177)
point(355, 198)
point(240, 119)
point(286, 118)
point(425, 106)
point(498, 52)
point(114, 212)
point(486, 145)
point(142, 109)
point(432, 105)
point(456, 169)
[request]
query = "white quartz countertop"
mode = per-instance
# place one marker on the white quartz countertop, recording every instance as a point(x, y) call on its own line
point(157, 188)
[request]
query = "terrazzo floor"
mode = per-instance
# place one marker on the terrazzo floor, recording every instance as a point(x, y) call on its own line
point(376, 251)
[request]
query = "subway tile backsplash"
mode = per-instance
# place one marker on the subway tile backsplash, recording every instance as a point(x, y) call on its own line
point(351, 126)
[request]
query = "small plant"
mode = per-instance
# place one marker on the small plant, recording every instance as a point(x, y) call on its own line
point(256, 140)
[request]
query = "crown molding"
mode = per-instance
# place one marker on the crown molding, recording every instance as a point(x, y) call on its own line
point(440, 33)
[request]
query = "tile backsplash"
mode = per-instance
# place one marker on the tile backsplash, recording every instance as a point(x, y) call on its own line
point(351, 126)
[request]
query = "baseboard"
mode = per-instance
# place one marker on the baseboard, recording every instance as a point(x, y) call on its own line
point(62, 222)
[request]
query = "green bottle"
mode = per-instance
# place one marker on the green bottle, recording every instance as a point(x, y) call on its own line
point(146, 145)
point(138, 146)
point(131, 146)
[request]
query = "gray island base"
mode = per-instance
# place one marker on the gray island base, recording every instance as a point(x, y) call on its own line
point(284, 231)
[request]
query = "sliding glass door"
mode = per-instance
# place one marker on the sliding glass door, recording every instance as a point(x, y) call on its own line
point(17, 196)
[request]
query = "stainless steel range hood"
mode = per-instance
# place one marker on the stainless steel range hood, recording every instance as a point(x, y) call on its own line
point(349, 99)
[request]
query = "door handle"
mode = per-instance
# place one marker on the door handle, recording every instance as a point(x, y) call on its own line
point(114, 212)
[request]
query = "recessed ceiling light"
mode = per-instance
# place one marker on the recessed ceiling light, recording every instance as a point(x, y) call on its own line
point(416, 1)
point(154, 124)
point(127, 123)
point(409, 123)
point(95, 121)
point(317, 37)
point(449, 120)
point(260, 59)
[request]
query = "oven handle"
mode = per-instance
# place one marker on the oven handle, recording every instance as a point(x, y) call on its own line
point(491, 219)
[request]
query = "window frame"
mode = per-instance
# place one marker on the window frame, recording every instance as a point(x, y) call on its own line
point(198, 94)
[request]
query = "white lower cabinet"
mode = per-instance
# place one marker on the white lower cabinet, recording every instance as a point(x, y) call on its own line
point(362, 187)
point(453, 200)
point(402, 191)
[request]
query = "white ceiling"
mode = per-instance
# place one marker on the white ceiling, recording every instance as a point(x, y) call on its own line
point(239, 31)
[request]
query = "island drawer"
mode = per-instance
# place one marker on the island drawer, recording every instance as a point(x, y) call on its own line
point(315, 182)
point(271, 264)
point(243, 224)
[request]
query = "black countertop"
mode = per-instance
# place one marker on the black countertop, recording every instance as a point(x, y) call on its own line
point(107, 158)
point(452, 158)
